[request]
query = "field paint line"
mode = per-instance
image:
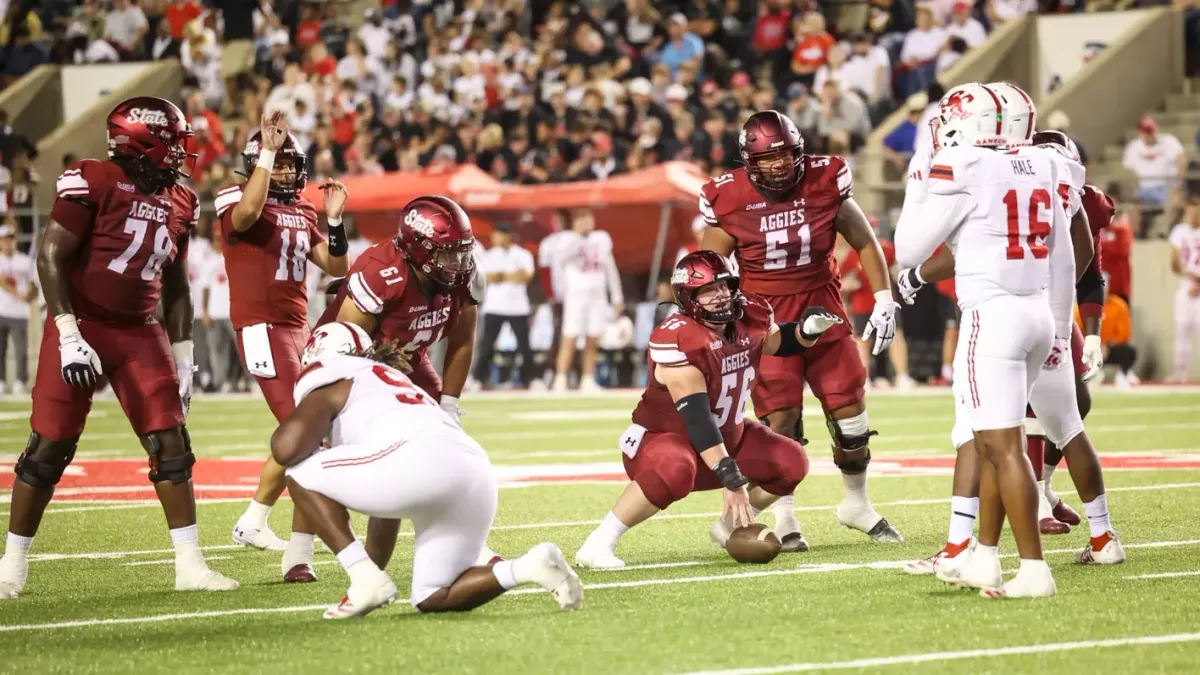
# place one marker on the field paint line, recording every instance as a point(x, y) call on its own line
point(804, 569)
point(661, 566)
point(928, 657)
point(109, 555)
point(1165, 575)
point(170, 561)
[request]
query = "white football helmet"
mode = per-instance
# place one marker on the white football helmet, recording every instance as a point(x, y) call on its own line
point(339, 337)
point(970, 115)
point(1019, 113)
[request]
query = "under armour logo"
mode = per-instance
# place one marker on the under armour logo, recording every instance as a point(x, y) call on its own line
point(629, 442)
point(260, 364)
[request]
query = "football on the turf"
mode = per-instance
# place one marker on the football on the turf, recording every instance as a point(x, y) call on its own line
point(755, 543)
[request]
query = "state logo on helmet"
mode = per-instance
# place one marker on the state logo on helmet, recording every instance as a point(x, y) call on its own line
point(290, 174)
point(148, 136)
point(969, 115)
point(435, 234)
point(703, 271)
point(1017, 111)
point(338, 337)
point(772, 151)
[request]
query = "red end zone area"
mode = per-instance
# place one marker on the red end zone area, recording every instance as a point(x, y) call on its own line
point(125, 479)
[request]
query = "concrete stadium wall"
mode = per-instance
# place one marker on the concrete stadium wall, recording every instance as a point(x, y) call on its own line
point(34, 102)
point(1153, 311)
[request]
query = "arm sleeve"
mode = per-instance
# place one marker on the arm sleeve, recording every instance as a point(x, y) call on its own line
point(613, 275)
point(227, 198)
point(369, 289)
point(845, 179)
point(707, 197)
point(75, 202)
point(665, 343)
point(939, 216)
point(319, 374)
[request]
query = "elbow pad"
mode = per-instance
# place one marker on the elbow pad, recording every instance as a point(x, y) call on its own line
point(698, 418)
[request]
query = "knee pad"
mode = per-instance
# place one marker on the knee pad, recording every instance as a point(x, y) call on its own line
point(797, 431)
point(667, 483)
point(851, 438)
point(177, 469)
point(43, 467)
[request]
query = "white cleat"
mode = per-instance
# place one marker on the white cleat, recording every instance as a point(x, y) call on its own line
point(1110, 552)
point(787, 529)
point(950, 558)
point(977, 571)
point(204, 579)
point(864, 518)
point(13, 573)
point(588, 385)
point(362, 599)
point(1029, 583)
point(9, 590)
point(549, 569)
point(594, 555)
point(263, 539)
point(720, 532)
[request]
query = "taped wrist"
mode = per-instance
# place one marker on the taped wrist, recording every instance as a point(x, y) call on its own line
point(789, 342)
point(914, 277)
point(729, 474)
point(266, 160)
point(698, 418)
point(338, 244)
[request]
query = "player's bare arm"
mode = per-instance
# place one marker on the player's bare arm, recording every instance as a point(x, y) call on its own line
point(80, 363)
point(1083, 243)
point(254, 192)
point(350, 313)
point(460, 349)
point(717, 239)
point(178, 314)
point(689, 391)
point(789, 339)
point(330, 256)
point(300, 435)
point(853, 225)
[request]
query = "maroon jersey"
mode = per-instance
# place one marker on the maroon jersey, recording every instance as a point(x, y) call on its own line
point(729, 367)
point(1100, 209)
point(127, 238)
point(381, 283)
point(787, 247)
point(267, 263)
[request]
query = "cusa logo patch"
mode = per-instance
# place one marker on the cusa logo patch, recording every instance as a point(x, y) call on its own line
point(147, 116)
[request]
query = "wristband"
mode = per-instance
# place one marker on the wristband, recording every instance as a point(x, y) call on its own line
point(333, 222)
point(729, 474)
point(266, 160)
point(789, 343)
point(184, 352)
point(338, 244)
point(914, 277)
point(67, 325)
point(884, 296)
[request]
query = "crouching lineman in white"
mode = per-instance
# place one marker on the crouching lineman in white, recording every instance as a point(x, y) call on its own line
point(396, 454)
point(1006, 227)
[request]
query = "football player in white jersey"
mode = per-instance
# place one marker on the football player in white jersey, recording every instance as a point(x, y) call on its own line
point(396, 454)
point(592, 297)
point(1053, 397)
point(1003, 222)
point(1185, 262)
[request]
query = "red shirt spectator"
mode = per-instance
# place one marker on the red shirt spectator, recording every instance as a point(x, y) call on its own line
point(207, 145)
point(179, 13)
point(308, 33)
point(771, 28)
point(1116, 244)
point(812, 44)
point(862, 300)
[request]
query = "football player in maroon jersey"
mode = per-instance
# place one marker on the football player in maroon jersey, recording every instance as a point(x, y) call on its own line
point(116, 243)
point(781, 213)
point(414, 290)
point(689, 431)
point(269, 235)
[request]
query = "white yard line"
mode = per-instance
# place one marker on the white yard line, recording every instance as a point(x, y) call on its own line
point(171, 561)
point(591, 587)
point(929, 657)
point(1165, 575)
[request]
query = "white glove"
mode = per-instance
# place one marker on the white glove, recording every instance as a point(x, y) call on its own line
point(184, 357)
point(1093, 357)
point(817, 320)
point(80, 363)
point(882, 323)
point(908, 283)
point(449, 405)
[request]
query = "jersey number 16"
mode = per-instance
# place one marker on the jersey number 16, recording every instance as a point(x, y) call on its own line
point(1036, 228)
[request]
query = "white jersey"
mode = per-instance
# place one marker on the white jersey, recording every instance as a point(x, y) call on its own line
point(1186, 239)
point(1001, 217)
point(384, 406)
point(1072, 177)
point(915, 186)
point(18, 271)
point(588, 265)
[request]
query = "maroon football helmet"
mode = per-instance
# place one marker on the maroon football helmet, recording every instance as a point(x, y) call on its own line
point(289, 156)
point(769, 135)
point(435, 234)
point(1059, 141)
point(148, 135)
point(697, 270)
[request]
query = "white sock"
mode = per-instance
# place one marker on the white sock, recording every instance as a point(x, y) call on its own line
point(856, 486)
point(187, 545)
point(1048, 472)
point(609, 531)
point(1097, 515)
point(1036, 565)
point(299, 550)
point(356, 563)
point(785, 503)
point(18, 546)
point(505, 575)
point(255, 516)
point(962, 518)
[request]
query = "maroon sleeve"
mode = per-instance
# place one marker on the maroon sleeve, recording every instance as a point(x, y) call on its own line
point(77, 192)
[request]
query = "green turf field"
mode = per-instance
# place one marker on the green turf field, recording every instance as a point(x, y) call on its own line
point(99, 598)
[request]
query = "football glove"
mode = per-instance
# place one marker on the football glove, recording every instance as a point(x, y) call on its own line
point(817, 320)
point(908, 283)
point(882, 324)
point(449, 405)
point(80, 363)
point(184, 368)
point(1093, 357)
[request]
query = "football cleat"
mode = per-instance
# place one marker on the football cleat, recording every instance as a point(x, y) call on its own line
point(720, 532)
point(1103, 550)
point(1064, 513)
point(302, 573)
point(949, 558)
point(787, 529)
point(263, 539)
point(9, 590)
point(203, 579)
point(597, 556)
point(977, 571)
point(865, 519)
point(1029, 583)
point(14, 570)
point(548, 569)
point(1052, 526)
point(364, 598)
